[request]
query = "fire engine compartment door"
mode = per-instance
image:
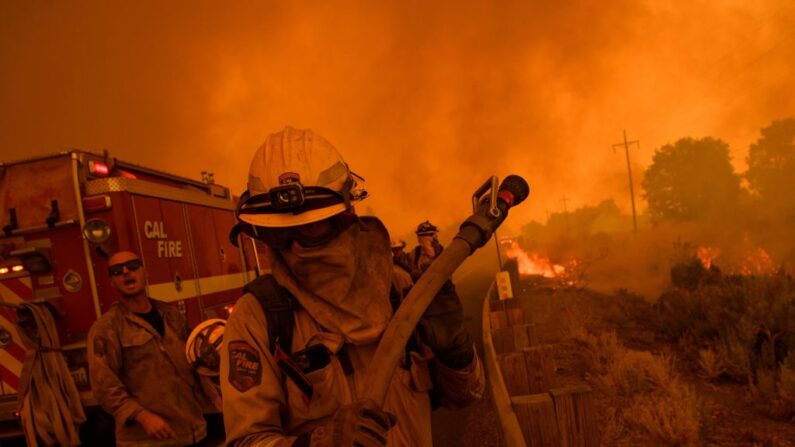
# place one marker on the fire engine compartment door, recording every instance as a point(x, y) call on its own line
point(165, 249)
point(221, 276)
point(30, 188)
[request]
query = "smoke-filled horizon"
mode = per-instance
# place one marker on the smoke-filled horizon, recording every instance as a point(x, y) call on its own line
point(423, 100)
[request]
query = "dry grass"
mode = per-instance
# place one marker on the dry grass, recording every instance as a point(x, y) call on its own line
point(645, 392)
point(672, 418)
point(787, 383)
point(710, 363)
point(637, 372)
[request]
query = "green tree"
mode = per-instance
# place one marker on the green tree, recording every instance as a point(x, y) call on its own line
point(771, 165)
point(691, 179)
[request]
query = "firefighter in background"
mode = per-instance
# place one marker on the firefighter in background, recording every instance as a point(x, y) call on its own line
point(297, 346)
point(137, 365)
point(427, 249)
point(401, 279)
point(397, 246)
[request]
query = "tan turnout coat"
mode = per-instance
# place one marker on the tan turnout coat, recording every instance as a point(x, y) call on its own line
point(263, 409)
point(133, 368)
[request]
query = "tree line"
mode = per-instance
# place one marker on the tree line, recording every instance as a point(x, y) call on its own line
point(693, 179)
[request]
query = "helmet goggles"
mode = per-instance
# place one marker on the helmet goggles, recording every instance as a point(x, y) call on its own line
point(309, 235)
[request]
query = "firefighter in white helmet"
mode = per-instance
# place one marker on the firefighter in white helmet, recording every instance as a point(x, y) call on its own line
point(297, 346)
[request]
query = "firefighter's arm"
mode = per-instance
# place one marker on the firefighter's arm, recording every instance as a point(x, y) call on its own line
point(251, 388)
point(459, 387)
point(458, 372)
point(104, 363)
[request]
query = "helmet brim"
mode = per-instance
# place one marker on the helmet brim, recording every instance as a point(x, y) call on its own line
point(282, 220)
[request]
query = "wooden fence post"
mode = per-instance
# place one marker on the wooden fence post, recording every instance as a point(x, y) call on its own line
point(540, 368)
point(515, 316)
point(498, 319)
point(536, 416)
point(514, 372)
point(503, 340)
point(574, 410)
point(523, 336)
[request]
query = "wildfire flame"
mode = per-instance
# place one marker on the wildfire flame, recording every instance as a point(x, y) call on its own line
point(531, 263)
point(757, 261)
point(749, 261)
point(706, 255)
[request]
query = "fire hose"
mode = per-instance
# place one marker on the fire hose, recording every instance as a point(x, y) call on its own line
point(490, 210)
point(49, 402)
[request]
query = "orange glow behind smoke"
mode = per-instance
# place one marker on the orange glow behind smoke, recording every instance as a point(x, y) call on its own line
point(424, 105)
point(531, 263)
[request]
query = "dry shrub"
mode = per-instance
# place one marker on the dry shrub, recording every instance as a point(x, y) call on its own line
point(786, 388)
point(787, 379)
point(573, 321)
point(765, 384)
point(710, 363)
point(674, 418)
point(608, 349)
point(632, 372)
point(613, 426)
point(735, 355)
point(659, 404)
point(748, 320)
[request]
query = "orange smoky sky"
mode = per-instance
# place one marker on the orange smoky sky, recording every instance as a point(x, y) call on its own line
point(423, 99)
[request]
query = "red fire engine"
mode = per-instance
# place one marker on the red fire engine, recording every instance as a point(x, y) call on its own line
point(64, 214)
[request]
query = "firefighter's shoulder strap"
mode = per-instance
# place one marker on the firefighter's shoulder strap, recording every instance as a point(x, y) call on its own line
point(279, 307)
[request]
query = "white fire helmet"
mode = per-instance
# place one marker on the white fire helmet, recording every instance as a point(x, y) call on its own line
point(297, 177)
point(203, 346)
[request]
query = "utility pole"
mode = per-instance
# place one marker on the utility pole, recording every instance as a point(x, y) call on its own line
point(629, 172)
point(565, 200)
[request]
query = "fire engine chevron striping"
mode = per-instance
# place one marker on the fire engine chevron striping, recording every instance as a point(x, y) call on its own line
point(10, 378)
point(19, 287)
point(14, 291)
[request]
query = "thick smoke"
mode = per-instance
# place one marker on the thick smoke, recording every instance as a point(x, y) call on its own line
point(425, 100)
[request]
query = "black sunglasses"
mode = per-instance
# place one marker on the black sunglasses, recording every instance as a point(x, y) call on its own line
point(132, 265)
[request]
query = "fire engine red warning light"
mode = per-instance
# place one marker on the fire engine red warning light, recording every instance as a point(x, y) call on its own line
point(98, 168)
point(18, 268)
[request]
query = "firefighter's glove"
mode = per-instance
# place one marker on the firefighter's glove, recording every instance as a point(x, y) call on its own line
point(360, 424)
point(442, 329)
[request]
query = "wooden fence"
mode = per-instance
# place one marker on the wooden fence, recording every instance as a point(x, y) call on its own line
point(532, 408)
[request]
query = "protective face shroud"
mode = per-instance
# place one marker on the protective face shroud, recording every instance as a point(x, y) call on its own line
point(203, 346)
point(296, 178)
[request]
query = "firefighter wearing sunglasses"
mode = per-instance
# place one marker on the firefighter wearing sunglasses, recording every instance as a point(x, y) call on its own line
point(137, 365)
point(291, 372)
